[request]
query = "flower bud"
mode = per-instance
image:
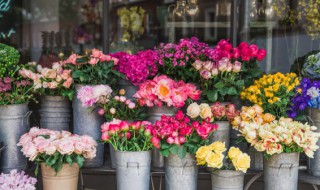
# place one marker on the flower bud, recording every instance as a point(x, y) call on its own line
point(112, 111)
point(101, 112)
point(122, 92)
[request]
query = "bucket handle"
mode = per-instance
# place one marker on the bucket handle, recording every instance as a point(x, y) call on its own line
point(134, 165)
point(252, 180)
point(186, 163)
point(310, 119)
point(26, 118)
point(285, 165)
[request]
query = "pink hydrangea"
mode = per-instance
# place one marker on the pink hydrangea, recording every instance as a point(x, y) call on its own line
point(17, 181)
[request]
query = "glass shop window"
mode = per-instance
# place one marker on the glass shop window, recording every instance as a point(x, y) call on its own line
point(45, 30)
point(287, 29)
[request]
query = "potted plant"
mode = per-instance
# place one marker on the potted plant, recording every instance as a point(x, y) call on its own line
point(163, 95)
point(15, 93)
point(281, 141)
point(137, 68)
point(217, 113)
point(307, 100)
point(93, 69)
point(55, 85)
point(228, 171)
point(111, 106)
point(132, 144)
point(178, 140)
point(17, 180)
point(60, 155)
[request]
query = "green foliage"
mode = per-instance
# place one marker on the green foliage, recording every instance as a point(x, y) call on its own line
point(9, 60)
point(250, 71)
point(192, 144)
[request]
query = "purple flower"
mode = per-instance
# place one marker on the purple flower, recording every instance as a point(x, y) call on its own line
point(18, 181)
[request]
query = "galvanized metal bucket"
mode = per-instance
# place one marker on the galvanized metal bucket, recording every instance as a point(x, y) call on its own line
point(314, 163)
point(129, 87)
point(222, 133)
point(133, 170)
point(55, 113)
point(88, 123)
point(14, 122)
point(256, 159)
point(155, 114)
point(66, 178)
point(281, 171)
point(112, 157)
point(227, 180)
point(181, 174)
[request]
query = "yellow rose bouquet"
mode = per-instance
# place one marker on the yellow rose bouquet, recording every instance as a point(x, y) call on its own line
point(212, 156)
point(271, 136)
point(273, 93)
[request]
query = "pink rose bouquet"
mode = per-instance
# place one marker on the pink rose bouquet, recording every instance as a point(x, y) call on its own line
point(216, 112)
point(163, 89)
point(110, 105)
point(247, 54)
point(137, 68)
point(55, 81)
point(96, 68)
point(55, 148)
point(175, 60)
point(17, 181)
point(128, 136)
point(177, 135)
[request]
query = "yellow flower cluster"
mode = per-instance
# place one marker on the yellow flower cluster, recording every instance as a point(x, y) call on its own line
point(270, 88)
point(212, 156)
point(131, 21)
point(251, 114)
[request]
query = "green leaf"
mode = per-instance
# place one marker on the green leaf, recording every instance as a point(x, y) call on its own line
point(69, 160)
point(165, 152)
point(212, 96)
point(52, 159)
point(182, 152)
point(219, 85)
point(174, 149)
point(79, 160)
point(165, 145)
point(232, 91)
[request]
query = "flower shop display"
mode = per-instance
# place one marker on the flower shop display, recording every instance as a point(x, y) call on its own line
point(175, 60)
point(307, 100)
point(55, 85)
point(227, 174)
point(228, 69)
point(132, 142)
point(163, 95)
point(178, 140)
point(17, 181)
point(93, 69)
point(15, 93)
point(60, 155)
point(111, 106)
point(273, 93)
point(281, 141)
point(217, 113)
point(137, 68)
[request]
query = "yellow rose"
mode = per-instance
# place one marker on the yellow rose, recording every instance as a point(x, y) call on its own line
point(215, 160)
point(205, 111)
point(202, 152)
point(218, 147)
point(201, 161)
point(234, 153)
point(268, 118)
point(241, 162)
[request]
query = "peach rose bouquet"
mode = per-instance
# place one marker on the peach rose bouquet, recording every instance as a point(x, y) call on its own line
point(216, 112)
point(266, 134)
point(55, 148)
point(55, 81)
point(212, 156)
point(164, 90)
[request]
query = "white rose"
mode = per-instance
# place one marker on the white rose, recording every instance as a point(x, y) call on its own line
point(193, 110)
point(205, 111)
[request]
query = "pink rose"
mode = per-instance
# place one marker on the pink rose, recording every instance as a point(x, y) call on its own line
point(229, 67)
point(156, 142)
point(96, 53)
point(132, 105)
point(261, 54)
point(25, 138)
point(68, 83)
point(218, 111)
point(197, 65)
point(207, 65)
point(65, 134)
point(115, 60)
point(90, 154)
point(179, 115)
point(52, 85)
point(101, 111)
point(72, 59)
point(30, 151)
point(205, 74)
point(222, 64)
point(186, 131)
point(202, 132)
point(236, 67)
point(51, 149)
point(66, 147)
point(51, 74)
point(104, 58)
point(79, 147)
point(170, 140)
point(105, 136)
point(66, 74)
point(254, 50)
point(93, 61)
point(214, 71)
point(182, 140)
